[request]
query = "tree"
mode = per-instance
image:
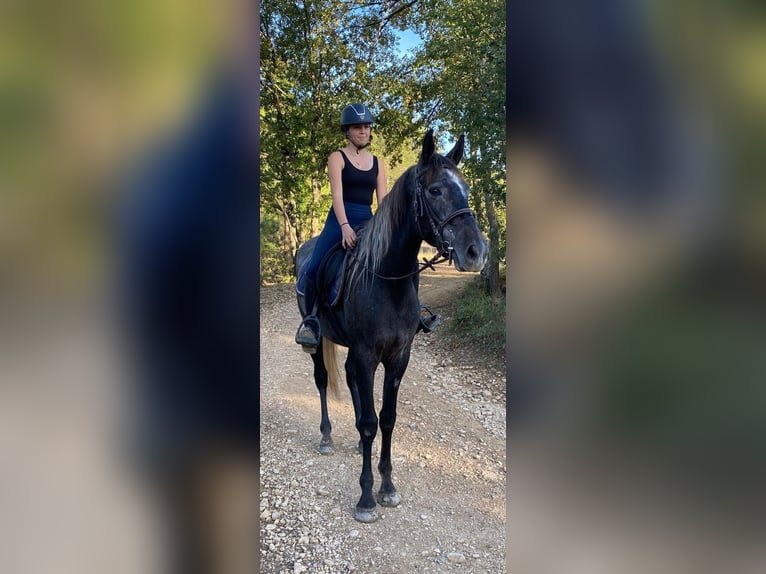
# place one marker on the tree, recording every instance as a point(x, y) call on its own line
point(317, 56)
point(461, 71)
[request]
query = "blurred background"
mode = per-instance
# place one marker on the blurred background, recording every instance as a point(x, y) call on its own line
point(83, 88)
point(89, 91)
point(637, 267)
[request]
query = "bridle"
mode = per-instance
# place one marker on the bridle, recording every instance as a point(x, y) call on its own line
point(422, 207)
point(443, 250)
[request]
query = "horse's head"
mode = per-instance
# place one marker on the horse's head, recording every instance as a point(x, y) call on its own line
point(441, 199)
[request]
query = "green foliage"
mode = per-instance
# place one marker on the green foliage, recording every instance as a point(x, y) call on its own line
point(480, 318)
point(276, 264)
point(461, 71)
point(318, 56)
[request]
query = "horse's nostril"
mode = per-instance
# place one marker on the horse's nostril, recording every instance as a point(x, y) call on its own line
point(476, 255)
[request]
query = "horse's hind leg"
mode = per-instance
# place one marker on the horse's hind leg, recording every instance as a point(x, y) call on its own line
point(320, 378)
point(387, 495)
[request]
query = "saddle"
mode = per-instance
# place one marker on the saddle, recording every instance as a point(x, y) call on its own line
point(329, 285)
point(331, 276)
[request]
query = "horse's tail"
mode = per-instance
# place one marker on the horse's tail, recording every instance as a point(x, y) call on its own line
point(330, 356)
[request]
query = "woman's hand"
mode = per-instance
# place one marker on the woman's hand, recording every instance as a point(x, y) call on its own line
point(349, 237)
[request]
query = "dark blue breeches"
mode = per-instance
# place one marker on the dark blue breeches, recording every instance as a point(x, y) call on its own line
point(357, 215)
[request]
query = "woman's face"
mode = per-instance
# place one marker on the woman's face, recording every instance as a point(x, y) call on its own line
point(359, 134)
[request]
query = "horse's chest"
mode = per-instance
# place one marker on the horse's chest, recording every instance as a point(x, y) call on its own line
point(385, 315)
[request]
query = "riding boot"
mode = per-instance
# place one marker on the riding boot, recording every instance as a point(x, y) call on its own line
point(308, 332)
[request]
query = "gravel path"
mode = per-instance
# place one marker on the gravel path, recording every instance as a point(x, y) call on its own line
point(448, 455)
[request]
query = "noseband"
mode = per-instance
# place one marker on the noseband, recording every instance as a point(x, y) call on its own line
point(421, 207)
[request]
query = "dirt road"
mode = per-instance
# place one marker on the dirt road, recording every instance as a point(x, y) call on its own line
point(448, 455)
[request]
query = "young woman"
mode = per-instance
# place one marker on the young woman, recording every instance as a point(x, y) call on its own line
point(355, 174)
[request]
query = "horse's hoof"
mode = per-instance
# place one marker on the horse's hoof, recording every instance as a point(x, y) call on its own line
point(326, 449)
point(390, 499)
point(366, 516)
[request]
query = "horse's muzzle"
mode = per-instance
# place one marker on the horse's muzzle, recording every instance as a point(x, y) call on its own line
point(473, 257)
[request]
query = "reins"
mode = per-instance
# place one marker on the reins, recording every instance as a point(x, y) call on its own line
point(440, 257)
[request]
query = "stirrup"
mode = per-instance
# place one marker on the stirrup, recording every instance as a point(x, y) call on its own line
point(308, 333)
point(428, 322)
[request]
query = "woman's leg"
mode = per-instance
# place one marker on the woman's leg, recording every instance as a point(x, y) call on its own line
point(357, 215)
point(308, 331)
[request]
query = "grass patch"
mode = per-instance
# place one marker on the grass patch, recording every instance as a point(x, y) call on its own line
point(479, 318)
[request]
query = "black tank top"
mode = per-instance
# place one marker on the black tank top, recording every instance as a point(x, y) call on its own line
point(358, 185)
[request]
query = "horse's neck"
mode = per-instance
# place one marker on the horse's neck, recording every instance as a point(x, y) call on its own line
point(402, 254)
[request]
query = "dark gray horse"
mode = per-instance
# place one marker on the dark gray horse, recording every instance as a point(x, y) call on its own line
point(378, 314)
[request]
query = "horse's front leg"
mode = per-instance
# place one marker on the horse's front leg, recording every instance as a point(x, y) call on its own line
point(360, 379)
point(387, 495)
point(320, 378)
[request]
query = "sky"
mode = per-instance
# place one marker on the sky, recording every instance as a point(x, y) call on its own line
point(407, 40)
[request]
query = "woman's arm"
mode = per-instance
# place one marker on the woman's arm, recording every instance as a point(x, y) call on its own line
point(334, 169)
point(381, 187)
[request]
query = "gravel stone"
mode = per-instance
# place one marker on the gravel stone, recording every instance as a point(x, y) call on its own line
point(451, 423)
point(456, 557)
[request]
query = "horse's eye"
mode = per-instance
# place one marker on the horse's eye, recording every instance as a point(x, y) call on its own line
point(434, 191)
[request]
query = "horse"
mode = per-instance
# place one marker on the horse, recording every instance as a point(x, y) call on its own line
point(378, 310)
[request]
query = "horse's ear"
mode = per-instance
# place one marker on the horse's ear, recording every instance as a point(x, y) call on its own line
point(428, 147)
point(456, 153)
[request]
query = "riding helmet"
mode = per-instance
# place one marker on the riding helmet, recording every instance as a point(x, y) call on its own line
point(355, 114)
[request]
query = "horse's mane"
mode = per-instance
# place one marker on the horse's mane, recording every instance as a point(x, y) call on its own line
point(375, 238)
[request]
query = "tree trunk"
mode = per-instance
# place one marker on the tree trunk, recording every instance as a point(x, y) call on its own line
point(289, 242)
point(316, 188)
point(491, 271)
